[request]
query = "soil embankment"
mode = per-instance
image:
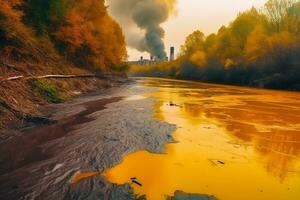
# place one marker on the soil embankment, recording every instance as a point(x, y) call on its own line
point(25, 102)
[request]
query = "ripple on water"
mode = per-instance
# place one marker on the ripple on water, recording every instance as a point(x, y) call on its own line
point(243, 144)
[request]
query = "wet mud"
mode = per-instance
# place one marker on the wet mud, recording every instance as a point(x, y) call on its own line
point(91, 134)
point(175, 140)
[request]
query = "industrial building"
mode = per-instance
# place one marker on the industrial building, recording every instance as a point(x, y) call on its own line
point(153, 59)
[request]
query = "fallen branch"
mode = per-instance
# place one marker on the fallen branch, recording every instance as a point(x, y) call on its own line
point(13, 78)
point(71, 76)
point(51, 76)
point(136, 182)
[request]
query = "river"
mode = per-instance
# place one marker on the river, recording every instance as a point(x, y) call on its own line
point(154, 137)
point(235, 143)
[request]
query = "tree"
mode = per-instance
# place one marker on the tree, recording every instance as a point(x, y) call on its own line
point(193, 42)
point(257, 45)
point(226, 45)
point(210, 42)
point(11, 24)
point(292, 19)
point(276, 11)
point(244, 24)
point(283, 46)
point(90, 37)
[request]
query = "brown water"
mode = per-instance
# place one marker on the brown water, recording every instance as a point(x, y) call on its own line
point(235, 143)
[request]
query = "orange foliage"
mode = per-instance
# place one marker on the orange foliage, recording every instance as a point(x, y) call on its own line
point(14, 33)
point(257, 45)
point(276, 46)
point(82, 31)
point(10, 16)
point(91, 36)
point(8, 11)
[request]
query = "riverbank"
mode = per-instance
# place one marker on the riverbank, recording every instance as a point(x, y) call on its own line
point(119, 144)
point(28, 102)
point(90, 133)
point(44, 59)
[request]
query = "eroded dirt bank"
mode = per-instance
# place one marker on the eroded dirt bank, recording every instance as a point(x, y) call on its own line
point(25, 102)
point(91, 134)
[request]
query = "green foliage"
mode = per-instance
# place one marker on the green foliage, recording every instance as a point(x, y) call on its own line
point(47, 90)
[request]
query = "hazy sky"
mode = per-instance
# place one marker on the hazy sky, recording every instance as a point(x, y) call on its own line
point(205, 15)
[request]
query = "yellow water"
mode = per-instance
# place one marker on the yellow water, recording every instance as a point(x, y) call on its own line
point(234, 143)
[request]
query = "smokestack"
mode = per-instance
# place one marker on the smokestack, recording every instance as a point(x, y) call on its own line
point(142, 60)
point(141, 22)
point(172, 54)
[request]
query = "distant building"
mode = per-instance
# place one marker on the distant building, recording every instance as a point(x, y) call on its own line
point(172, 54)
point(143, 61)
point(153, 59)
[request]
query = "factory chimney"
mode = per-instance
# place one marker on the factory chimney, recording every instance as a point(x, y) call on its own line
point(172, 54)
point(142, 60)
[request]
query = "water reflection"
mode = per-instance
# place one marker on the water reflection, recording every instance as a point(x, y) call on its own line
point(234, 143)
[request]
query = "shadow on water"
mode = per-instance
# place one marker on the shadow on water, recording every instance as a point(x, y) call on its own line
point(25, 150)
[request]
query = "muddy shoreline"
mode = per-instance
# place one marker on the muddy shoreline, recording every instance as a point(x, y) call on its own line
point(240, 128)
point(91, 133)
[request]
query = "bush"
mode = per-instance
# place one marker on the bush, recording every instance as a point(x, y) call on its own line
point(47, 90)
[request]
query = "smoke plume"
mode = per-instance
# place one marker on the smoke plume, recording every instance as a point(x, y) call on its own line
point(141, 21)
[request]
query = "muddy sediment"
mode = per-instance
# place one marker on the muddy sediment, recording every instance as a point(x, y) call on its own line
point(31, 141)
point(180, 195)
point(91, 134)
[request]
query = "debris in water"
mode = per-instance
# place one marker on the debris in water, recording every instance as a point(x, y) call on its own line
point(136, 182)
point(216, 162)
point(207, 127)
point(174, 104)
point(221, 162)
point(186, 196)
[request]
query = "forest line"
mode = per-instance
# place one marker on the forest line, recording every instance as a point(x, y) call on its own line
point(261, 47)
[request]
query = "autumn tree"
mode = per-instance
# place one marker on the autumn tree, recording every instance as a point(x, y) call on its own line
point(283, 48)
point(277, 11)
point(292, 19)
point(194, 42)
point(244, 24)
point(90, 37)
point(14, 34)
point(11, 19)
point(259, 47)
